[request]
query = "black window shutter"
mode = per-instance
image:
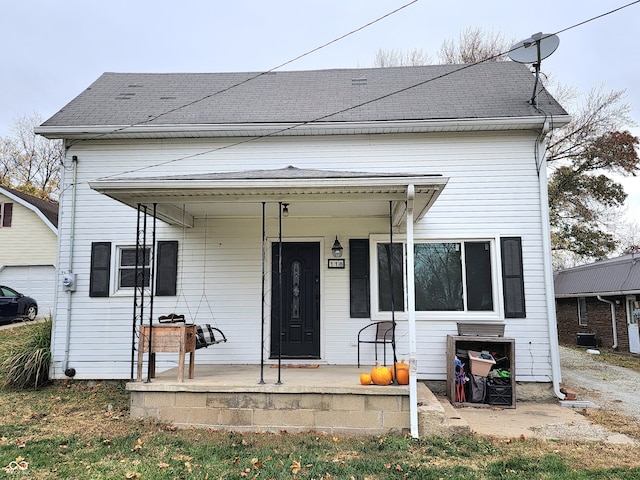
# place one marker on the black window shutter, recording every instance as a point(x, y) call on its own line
point(359, 278)
point(7, 212)
point(100, 269)
point(512, 277)
point(167, 266)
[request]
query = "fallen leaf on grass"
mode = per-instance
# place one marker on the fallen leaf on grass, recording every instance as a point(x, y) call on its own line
point(295, 467)
point(138, 445)
point(132, 475)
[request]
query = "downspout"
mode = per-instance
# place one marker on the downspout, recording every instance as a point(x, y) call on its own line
point(411, 300)
point(71, 372)
point(614, 327)
point(552, 328)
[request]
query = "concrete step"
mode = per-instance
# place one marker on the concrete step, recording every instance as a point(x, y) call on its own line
point(437, 417)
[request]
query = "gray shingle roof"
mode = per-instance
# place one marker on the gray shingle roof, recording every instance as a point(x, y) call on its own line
point(619, 275)
point(491, 90)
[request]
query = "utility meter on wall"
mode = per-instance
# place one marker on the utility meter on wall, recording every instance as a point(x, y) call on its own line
point(69, 282)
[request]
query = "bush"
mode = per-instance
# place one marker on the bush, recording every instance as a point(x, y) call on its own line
point(27, 356)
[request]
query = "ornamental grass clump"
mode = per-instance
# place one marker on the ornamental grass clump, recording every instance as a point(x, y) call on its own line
point(27, 356)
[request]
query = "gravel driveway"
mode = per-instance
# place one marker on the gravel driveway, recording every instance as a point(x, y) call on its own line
point(614, 388)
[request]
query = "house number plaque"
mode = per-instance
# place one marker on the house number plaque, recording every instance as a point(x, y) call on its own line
point(336, 263)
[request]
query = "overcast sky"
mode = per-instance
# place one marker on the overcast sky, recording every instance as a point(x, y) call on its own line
point(55, 49)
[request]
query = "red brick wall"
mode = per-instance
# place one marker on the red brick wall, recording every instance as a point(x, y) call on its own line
point(598, 322)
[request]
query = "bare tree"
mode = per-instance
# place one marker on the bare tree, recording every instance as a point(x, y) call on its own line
point(475, 45)
point(629, 237)
point(29, 162)
point(398, 58)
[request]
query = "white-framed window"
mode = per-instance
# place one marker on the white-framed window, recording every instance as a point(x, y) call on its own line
point(126, 268)
point(118, 276)
point(450, 276)
point(582, 311)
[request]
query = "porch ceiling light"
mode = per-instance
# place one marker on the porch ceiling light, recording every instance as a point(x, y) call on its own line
point(337, 249)
point(285, 209)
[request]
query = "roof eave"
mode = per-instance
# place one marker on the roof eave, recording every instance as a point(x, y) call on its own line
point(595, 294)
point(166, 194)
point(296, 128)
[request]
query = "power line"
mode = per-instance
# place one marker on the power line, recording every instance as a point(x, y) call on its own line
point(346, 109)
point(598, 16)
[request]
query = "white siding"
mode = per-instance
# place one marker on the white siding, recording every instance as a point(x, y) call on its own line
point(492, 192)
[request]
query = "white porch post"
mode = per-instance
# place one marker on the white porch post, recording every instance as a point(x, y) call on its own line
point(411, 301)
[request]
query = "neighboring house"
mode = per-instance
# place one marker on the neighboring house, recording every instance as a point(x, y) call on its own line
point(28, 246)
point(598, 304)
point(449, 156)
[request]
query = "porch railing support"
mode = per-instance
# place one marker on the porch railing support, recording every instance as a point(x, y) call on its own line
point(262, 300)
point(140, 279)
point(393, 303)
point(411, 309)
point(280, 295)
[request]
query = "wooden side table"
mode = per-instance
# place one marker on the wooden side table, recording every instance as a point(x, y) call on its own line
point(174, 337)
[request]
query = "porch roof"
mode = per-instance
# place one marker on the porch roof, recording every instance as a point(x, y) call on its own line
point(309, 192)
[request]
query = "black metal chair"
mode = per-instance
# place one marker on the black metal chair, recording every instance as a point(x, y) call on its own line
point(383, 336)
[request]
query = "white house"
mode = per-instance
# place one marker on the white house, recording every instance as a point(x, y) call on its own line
point(28, 246)
point(445, 162)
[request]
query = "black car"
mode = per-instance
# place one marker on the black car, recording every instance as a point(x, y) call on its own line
point(15, 306)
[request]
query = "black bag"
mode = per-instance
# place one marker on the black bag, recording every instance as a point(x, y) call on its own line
point(478, 388)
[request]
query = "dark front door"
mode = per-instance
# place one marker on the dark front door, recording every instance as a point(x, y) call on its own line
point(296, 326)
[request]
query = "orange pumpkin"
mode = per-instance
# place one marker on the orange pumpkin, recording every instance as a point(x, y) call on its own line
point(365, 379)
point(380, 375)
point(402, 377)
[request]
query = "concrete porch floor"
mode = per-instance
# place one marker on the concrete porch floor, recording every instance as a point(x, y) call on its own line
point(298, 376)
point(327, 398)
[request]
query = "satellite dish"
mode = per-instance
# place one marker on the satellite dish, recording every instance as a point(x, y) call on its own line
point(533, 50)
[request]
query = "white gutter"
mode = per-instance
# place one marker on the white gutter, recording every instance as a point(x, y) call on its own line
point(411, 307)
point(554, 349)
point(614, 327)
point(295, 128)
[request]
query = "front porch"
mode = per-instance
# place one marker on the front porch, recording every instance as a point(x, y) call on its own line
point(323, 398)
